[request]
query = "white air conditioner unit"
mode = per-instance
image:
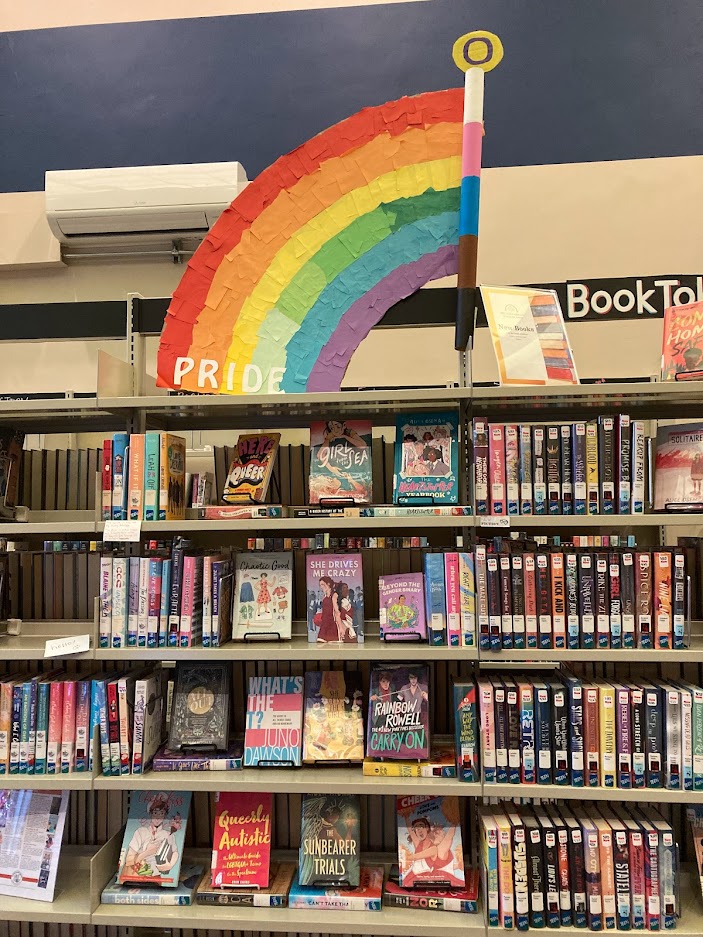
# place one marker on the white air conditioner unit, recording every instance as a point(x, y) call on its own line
point(141, 202)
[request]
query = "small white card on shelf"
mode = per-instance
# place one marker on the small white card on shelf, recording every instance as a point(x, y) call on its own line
point(122, 531)
point(494, 521)
point(60, 647)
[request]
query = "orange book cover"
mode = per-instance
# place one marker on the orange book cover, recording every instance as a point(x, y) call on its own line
point(662, 598)
point(135, 502)
point(241, 841)
point(607, 871)
point(682, 340)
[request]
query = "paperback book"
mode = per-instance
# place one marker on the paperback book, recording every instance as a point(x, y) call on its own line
point(152, 848)
point(429, 842)
point(334, 721)
point(335, 603)
point(678, 477)
point(263, 596)
point(200, 713)
point(441, 763)
point(31, 832)
point(329, 841)
point(228, 760)
point(460, 899)
point(398, 724)
point(241, 840)
point(251, 467)
point(274, 722)
point(182, 894)
point(365, 897)
point(340, 461)
point(401, 607)
point(426, 459)
point(275, 895)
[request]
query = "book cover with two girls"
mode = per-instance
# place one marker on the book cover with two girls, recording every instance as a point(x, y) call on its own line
point(335, 604)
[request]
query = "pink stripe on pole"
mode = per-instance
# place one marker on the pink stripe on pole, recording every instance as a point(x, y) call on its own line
point(471, 152)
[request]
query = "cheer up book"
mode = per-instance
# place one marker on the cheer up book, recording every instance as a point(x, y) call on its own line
point(263, 595)
point(340, 461)
point(334, 722)
point(335, 588)
point(398, 722)
point(152, 848)
point(329, 840)
point(250, 471)
point(429, 842)
point(401, 607)
point(682, 341)
point(274, 722)
point(426, 459)
point(241, 840)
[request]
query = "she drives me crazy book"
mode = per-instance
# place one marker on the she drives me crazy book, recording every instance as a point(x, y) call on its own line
point(398, 721)
point(426, 459)
point(340, 461)
point(335, 592)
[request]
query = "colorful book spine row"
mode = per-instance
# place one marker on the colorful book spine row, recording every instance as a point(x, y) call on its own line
point(579, 733)
point(450, 598)
point(567, 598)
point(598, 467)
point(155, 601)
point(601, 868)
point(323, 541)
point(143, 477)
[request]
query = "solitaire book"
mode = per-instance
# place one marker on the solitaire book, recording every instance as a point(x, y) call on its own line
point(152, 848)
point(430, 849)
point(426, 459)
point(401, 607)
point(335, 588)
point(678, 475)
point(334, 720)
point(330, 840)
point(398, 722)
point(274, 722)
point(340, 461)
point(241, 840)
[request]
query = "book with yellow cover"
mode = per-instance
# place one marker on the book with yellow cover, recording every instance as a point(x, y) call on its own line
point(440, 764)
point(334, 724)
point(250, 471)
point(606, 718)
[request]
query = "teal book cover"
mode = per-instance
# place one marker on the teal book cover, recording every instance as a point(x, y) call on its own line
point(426, 459)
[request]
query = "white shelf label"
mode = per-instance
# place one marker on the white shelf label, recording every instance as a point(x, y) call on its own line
point(60, 647)
point(122, 531)
point(494, 521)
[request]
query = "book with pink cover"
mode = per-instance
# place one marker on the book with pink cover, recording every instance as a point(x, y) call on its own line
point(682, 340)
point(678, 475)
point(241, 842)
point(429, 842)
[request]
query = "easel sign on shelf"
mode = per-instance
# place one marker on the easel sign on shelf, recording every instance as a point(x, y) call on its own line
point(62, 647)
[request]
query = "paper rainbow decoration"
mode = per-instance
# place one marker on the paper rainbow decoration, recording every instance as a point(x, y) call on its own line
point(316, 249)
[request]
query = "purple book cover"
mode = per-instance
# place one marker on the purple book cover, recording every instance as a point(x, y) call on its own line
point(399, 721)
point(401, 606)
point(335, 589)
point(623, 736)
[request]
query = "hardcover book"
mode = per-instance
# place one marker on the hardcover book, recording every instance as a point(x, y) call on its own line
point(466, 731)
point(182, 894)
point(429, 842)
point(335, 603)
point(426, 459)
point(459, 899)
point(365, 897)
point(152, 848)
point(329, 841)
point(401, 607)
point(682, 340)
point(241, 840)
point(274, 896)
point(263, 595)
point(678, 477)
point(172, 478)
point(274, 722)
point(398, 722)
point(334, 722)
point(200, 715)
point(340, 461)
point(441, 763)
point(251, 468)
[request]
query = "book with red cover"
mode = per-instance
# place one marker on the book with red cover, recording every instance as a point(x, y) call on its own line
point(241, 841)
point(682, 340)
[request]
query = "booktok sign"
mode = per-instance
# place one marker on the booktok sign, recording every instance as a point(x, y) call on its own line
point(626, 297)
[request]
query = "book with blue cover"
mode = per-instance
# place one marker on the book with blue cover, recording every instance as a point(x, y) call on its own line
point(154, 838)
point(426, 459)
point(182, 894)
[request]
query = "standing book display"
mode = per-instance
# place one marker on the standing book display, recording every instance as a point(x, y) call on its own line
point(401, 607)
point(241, 840)
point(250, 472)
point(329, 841)
point(398, 722)
point(430, 852)
point(152, 848)
point(334, 722)
point(200, 716)
point(31, 831)
point(426, 459)
point(274, 722)
point(263, 597)
point(340, 462)
point(335, 588)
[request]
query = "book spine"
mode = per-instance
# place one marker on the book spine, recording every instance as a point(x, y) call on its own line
point(554, 470)
point(480, 441)
point(207, 600)
point(68, 727)
point(120, 450)
point(560, 728)
point(154, 602)
point(82, 724)
point(624, 456)
point(591, 857)
point(501, 734)
point(587, 600)
point(531, 623)
point(567, 479)
point(105, 605)
point(43, 691)
point(187, 595)
point(506, 601)
point(517, 583)
point(496, 466)
point(558, 601)
point(487, 714)
point(606, 718)
point(672, 745)
point(512, 469)
point(667, 878)
point(196, 628)
point(578, 445)
point(551, 875)
point(100, 692)
point(527, 734)
point(654, 736)
point(512, 700)
point(678, 600)
point(520, 878)
point(152, 484)
point(606, 467)
point(602, 604)
point(141, 698)
point(623, 711)
point(638, 718)
point(621, 871)
point(539, 470)
point(687, 738)
point(643, 600)
point(638, 467)
point(662, 598)
point(651, 880)
point(483, 619)
point(494, 616)
point(491, 888)
point(174, 615)
point(627, 599)
point(143, 603)
point(697, 737)
point(5, 725)
point(543, 734)
point(576, 739)
point(607, 875)
point(505, 876)
point(94, 722)
point(25, 723)
point(578, 874)
point(591, 736)
point(164, 476)
point(544, 600)
point(535, 870)
point(120, 576)
point(165, 602)
point(565, 909)
point(136, 476)
point(125, 724)
point(435, 599)
point(467, 599)
point(53, 745)
point(451, 586)
point(637, 878)
point(592, 478)
point(615, 592)
point(16, 728)
point(106, 503)
point(573, 618)
point(525, 470)
point(113, 726)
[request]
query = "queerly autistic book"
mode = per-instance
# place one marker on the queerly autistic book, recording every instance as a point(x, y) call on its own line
point(329, 840)
point(152, 848)
point(429, 841)
point(426, 459)
point(340, 461)
point(335, 594)
point(241, 840)
point(401, 607)
point(263, 595)
point(334, 722)
point(274, 722)
point(398, 722)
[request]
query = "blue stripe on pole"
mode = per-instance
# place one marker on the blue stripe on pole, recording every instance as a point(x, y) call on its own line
point(468, 211)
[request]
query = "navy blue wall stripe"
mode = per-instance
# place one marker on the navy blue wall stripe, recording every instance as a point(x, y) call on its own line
point(596, 80)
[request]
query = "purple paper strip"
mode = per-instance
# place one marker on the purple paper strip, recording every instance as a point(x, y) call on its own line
point(356, 323)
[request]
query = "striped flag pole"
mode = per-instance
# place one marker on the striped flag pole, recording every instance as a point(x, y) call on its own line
point(475, 53)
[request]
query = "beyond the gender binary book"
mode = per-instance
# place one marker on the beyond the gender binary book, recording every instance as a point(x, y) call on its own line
point(398, 722)
point(429, 842)
point(334, 722)
point(426, 459)
point(401, 606)
point(335, 589)
point(251, 468)
point(263, 595)
point(274, 722)
point(329, 840)
point(152, 848)
point(340, 461)
point(241, 840)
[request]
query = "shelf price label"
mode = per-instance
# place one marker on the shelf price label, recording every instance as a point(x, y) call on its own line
point(122, 531)
point(494, 522)
point(61, 647)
